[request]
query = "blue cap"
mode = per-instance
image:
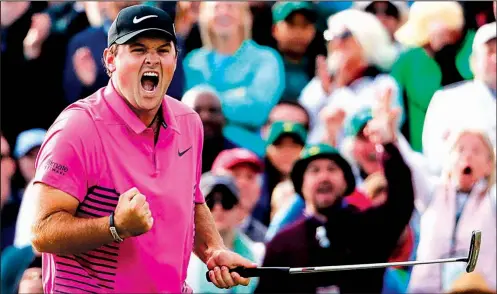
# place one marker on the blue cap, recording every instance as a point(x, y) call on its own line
point(28, 140)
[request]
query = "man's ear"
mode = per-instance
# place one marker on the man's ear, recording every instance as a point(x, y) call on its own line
point(274, 31)
point(109, 59)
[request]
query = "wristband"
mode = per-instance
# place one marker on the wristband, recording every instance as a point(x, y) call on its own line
point(113, 229)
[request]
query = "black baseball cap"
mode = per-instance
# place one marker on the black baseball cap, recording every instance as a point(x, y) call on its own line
point(137, 19)
point(209, 182)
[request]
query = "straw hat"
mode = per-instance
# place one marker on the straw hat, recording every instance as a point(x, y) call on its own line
point(423, 15)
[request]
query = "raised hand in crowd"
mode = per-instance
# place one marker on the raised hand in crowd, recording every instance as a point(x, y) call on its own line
point(186, 17)
point(382, 128)
point(334, 119)
point(323, 74)
point(37, 34)
point(85, 66)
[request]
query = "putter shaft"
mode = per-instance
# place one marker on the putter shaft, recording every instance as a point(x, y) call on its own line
point(334, 268)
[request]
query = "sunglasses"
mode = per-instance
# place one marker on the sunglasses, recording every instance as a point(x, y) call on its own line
point(227, 201)
point(341, 36)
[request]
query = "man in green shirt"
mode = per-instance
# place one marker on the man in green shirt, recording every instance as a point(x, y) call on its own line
point(440, 47)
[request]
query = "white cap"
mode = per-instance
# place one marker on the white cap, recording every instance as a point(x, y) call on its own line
point(484, 34)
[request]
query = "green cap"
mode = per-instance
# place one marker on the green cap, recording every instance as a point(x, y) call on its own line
point(316, 151)
point(357, 121)
point(281, 10)
point(280, 128)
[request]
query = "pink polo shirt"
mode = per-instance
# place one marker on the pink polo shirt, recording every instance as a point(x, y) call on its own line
point(96, 150)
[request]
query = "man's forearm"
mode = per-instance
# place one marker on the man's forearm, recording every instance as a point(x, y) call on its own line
point(207, 238)
point(63, 233)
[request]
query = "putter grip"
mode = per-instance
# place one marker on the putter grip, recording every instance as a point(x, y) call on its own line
point(257, 272)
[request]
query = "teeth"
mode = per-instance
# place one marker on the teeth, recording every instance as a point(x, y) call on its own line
point(151, 74)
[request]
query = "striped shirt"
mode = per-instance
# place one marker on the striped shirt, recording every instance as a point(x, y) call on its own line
point(96, 150)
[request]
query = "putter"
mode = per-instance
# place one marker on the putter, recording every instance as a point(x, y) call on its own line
point(471, 259)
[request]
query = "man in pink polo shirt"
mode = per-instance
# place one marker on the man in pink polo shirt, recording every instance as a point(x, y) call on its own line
point(117, 176)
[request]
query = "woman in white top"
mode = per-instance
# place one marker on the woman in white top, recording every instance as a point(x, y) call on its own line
point(463, 199)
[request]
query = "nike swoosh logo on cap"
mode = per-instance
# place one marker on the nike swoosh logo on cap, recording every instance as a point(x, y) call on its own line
point(138, 20)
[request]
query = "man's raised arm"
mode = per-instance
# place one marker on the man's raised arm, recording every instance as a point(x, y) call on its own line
point(57, 230)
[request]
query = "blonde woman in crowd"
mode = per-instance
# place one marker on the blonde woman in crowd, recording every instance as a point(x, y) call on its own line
point(462, 200)
point(249, 78)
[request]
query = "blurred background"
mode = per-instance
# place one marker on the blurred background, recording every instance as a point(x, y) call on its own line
point(266, 78)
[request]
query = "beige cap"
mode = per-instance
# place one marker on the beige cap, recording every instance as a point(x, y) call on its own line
point(422, 15)
point(484, 34)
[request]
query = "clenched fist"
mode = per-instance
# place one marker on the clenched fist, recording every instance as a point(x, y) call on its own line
point(132, 216)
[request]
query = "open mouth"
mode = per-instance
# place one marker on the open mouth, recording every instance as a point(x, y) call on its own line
point(325, 188)
point(149, 81)
point(467, 170)
point(371, 156)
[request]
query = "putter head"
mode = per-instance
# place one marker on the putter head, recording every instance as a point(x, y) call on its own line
point(474, 251)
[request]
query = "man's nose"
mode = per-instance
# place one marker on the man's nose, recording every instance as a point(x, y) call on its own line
point(467, 156)
point(152, 59)
point(321, 175)
point(204, 115)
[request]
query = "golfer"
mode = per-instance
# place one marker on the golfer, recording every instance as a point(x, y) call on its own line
point(118, 173)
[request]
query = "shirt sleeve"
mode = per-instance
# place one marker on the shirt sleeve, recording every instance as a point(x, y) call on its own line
point(63, 158)
point(199, 197)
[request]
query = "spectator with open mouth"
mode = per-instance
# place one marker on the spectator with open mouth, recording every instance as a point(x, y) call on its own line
point(463, 200)
point(336, 232)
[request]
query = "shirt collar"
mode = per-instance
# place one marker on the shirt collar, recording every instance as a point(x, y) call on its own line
point(491, 91)
point(117, 103)
point(494, 93)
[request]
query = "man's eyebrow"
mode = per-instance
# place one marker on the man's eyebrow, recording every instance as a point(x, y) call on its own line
point(137, 44)
point(167, 44)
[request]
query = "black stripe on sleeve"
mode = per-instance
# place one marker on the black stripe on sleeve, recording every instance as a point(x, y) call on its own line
point(101, 258)
point(72, 287)
point(107, 190)
point(96, 263)
point(83, 267)
point(103, 196)
point(96, 208)
point(101, 285)
point(105, 252)
point(76, 281)
point(111, 205)
point(112, 247)
point(73, 273)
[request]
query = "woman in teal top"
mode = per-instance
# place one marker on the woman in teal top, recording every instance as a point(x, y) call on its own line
point(250, 78)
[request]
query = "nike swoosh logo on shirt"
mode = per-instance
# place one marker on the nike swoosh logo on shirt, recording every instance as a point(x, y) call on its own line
point(138, 20)
point(182, 153)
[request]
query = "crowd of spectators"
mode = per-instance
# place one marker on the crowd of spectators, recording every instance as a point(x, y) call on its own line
point(335, 132)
